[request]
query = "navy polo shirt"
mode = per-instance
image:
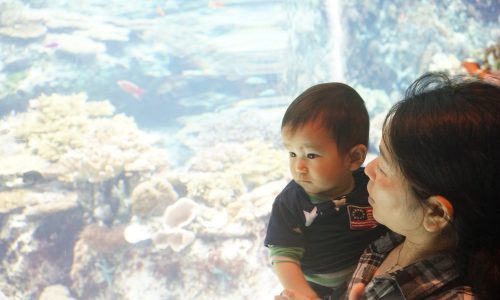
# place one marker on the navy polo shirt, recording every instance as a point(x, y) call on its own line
point(337, 236)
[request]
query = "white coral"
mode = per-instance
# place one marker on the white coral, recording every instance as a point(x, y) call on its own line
point(179, 214)
point(56, 292)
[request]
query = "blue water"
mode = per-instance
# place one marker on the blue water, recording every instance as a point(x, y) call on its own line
point(206, 84)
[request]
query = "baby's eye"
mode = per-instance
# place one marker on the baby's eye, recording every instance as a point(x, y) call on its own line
point(292, 154)
point(312, 155)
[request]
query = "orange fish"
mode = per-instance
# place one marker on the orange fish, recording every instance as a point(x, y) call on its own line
point(131, 88)
point(215, 4)
point(474, 69)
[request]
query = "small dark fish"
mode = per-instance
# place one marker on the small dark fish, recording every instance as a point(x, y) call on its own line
point(32, 177)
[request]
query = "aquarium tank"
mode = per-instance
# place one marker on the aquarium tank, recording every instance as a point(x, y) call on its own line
point(140, 140)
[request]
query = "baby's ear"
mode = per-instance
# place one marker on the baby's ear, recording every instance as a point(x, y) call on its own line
point(438, 213)
point(357, 156)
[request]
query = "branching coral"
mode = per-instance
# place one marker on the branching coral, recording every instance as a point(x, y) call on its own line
point(85, 138)
point(220, 179)
point(261, 164)
point(256, 161)
point(55, 124)
point(11, 12)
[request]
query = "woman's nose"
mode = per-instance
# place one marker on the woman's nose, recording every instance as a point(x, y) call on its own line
point(370, 169)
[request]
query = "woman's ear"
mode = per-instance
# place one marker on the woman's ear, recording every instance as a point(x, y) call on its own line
point(438, 213)
point(357, 156)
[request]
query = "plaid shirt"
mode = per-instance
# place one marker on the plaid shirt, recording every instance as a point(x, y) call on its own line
point(434, 278)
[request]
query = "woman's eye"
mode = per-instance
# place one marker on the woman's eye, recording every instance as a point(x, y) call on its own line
point(380, 170)
point(311, 155)
point(292, 154)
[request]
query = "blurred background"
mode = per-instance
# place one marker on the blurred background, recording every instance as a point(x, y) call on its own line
point(140, 140)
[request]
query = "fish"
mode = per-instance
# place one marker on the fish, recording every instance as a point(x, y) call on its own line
point(32, 177)
point(131, 88)
point(474, 69)
point(160, 11)
point(215, 4)
point(51, 45)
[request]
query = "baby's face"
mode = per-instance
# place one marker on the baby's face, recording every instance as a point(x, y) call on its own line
point(315, 162)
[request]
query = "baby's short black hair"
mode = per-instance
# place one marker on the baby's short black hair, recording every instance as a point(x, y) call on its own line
point(338, 107)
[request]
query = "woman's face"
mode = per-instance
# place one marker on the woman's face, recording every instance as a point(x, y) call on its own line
point(394, 205)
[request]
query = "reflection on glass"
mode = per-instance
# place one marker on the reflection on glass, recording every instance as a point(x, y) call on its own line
point(140, 139)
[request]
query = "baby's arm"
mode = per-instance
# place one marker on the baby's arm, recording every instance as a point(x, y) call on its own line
point(286, 265)
point(292, 278)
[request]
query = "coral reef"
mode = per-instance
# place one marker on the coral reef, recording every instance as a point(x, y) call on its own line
point(102, 239)
point(179, 214)
point(151, 197)
point(135, 233)
point(12, 200)
point(36, 203)
point(56, 292)
point(11, 12)
point(85, 279)
point(15, 24)
point(219, 179)
point(24, 31)
point(77, 44)
point(107, 32)
point(19, 163)
point(214, 188)
point(93, 146)
point(107, 216)
point(177, 239)
point(15, 157)
point(40, 247)
point(48, 114)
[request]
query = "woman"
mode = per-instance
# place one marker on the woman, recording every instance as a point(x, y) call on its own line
point(436, 185)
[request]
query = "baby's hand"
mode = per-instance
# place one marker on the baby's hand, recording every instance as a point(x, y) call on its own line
point(357, 292)
point(290, 295)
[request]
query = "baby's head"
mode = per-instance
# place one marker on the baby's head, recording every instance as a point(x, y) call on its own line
point(325, 131)
point(337, 108)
